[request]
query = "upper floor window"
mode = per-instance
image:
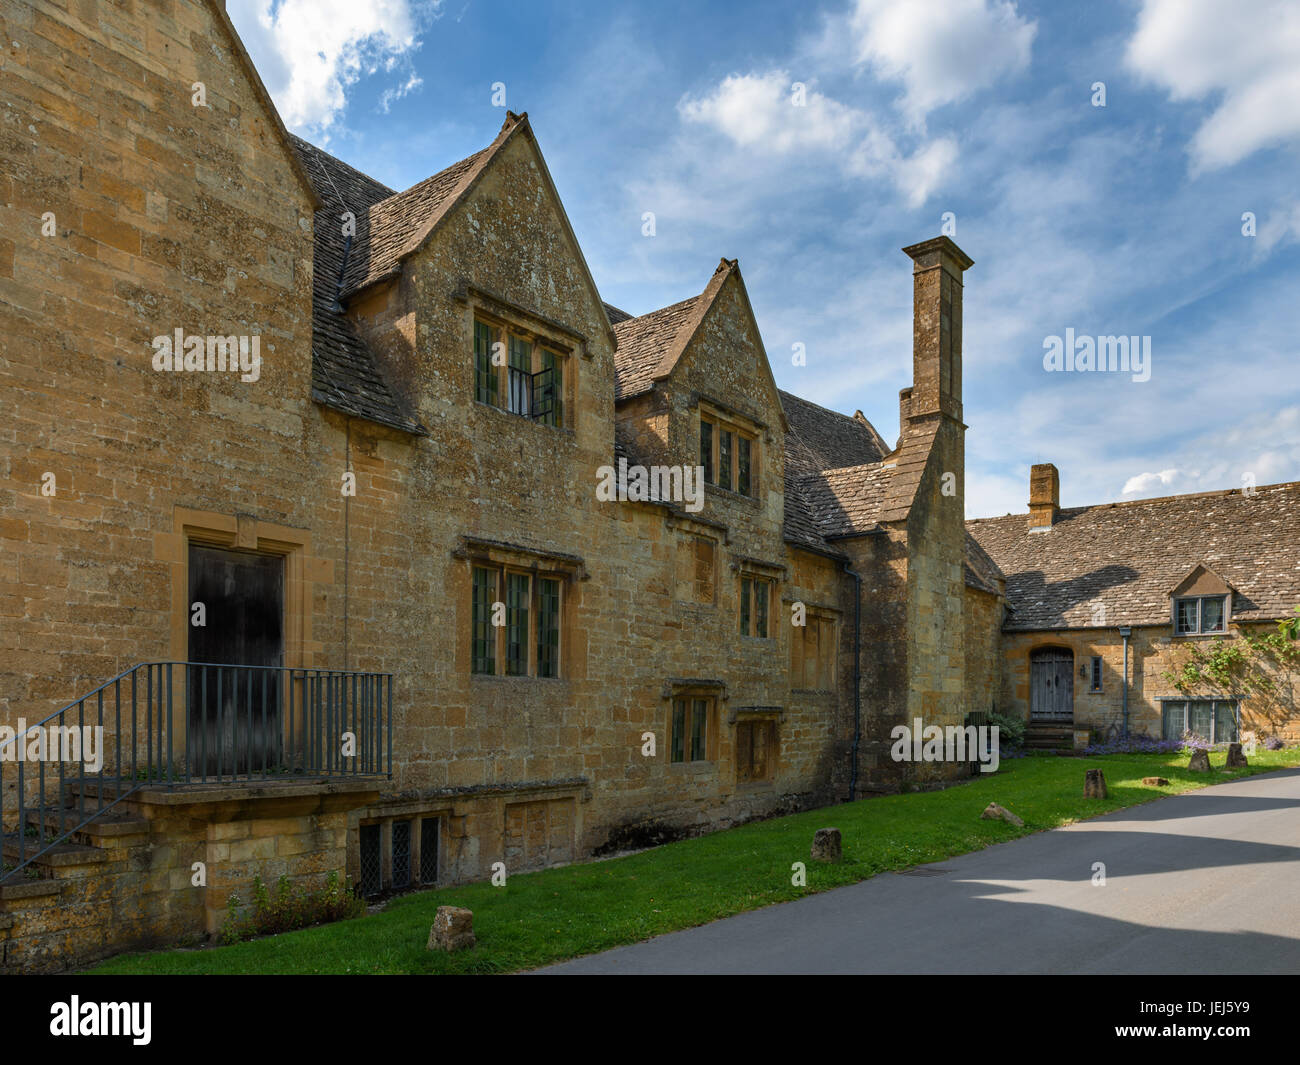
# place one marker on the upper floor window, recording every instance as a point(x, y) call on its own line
point(515, 623)
point(755, 606)
point(518, 372)
point(728, 455)
point(1197, 615)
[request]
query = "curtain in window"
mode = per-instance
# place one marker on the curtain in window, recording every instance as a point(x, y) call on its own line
point(1211, 615)
point(521, 368)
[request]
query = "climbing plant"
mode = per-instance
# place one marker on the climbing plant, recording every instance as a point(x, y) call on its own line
point(1262, 665)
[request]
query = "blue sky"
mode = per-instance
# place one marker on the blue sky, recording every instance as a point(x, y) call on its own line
point(1117, 220)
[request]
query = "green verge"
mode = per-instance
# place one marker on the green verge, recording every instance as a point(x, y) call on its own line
point(547, 916)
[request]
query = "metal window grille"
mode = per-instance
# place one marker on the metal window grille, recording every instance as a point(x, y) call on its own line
point(543, 386)
point(401, 855)
point(371, 863)
point(520, 377)
point(429, 850)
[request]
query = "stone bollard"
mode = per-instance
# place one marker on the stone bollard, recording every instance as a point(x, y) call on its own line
point(1200, 761)
point(453, 929)
point(826, 845)
point(1094, 784)
point(1156, 782)
point(994, 812)
point(1236, 760)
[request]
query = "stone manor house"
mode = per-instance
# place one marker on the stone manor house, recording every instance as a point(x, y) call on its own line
point(299, 510)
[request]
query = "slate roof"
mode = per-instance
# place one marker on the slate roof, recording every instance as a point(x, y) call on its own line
point(345, 375)
point(1128, 556)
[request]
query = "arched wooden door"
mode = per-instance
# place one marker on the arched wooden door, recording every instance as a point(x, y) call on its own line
point(1051, 685)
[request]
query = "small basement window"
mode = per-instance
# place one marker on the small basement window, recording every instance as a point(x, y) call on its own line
point(398, 854)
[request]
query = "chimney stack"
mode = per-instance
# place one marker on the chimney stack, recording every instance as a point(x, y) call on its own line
point(936, 327)
point(1044, 496)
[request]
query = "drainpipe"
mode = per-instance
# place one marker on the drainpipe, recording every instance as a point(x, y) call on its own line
point(1125, 633)
point(857, 680)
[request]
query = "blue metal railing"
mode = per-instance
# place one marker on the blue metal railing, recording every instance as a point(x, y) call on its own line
point(170, 724)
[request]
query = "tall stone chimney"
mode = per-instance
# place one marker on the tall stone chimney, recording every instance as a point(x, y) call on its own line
point(936, 327)
point(1044, 496)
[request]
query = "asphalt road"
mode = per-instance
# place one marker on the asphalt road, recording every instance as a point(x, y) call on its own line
point(1207, 882)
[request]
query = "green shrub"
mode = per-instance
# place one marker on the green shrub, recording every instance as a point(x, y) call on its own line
point(1011, 731)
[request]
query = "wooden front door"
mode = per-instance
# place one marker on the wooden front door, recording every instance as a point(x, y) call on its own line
point(234, 715)
point(1051, 685)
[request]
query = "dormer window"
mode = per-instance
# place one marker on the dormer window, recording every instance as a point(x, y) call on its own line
point(521, 368)
point(1200, 615)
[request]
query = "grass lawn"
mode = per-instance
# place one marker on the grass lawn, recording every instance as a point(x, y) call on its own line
point(579, 909)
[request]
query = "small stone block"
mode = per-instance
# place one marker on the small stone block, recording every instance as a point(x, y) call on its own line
point(1200, 761)
point(453, 929)
point(994, 812)
point(826, 845)
point(1156, 782)
point(1236, 760)
point(1094, 784)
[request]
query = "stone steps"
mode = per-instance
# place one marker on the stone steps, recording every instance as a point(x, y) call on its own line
point(1044, 737)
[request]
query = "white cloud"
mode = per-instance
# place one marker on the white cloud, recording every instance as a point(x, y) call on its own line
point(1245, 53)
point(760, 110)
point(1145, 483)
point(757, 111)
point(940, 51)
point(309, 52)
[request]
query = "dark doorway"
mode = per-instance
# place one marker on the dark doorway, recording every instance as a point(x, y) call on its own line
point(1051, 685)
point(234, 715)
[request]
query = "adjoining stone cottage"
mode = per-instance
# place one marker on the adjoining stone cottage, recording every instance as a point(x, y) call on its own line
point(364, 611)
point(1107, 606)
